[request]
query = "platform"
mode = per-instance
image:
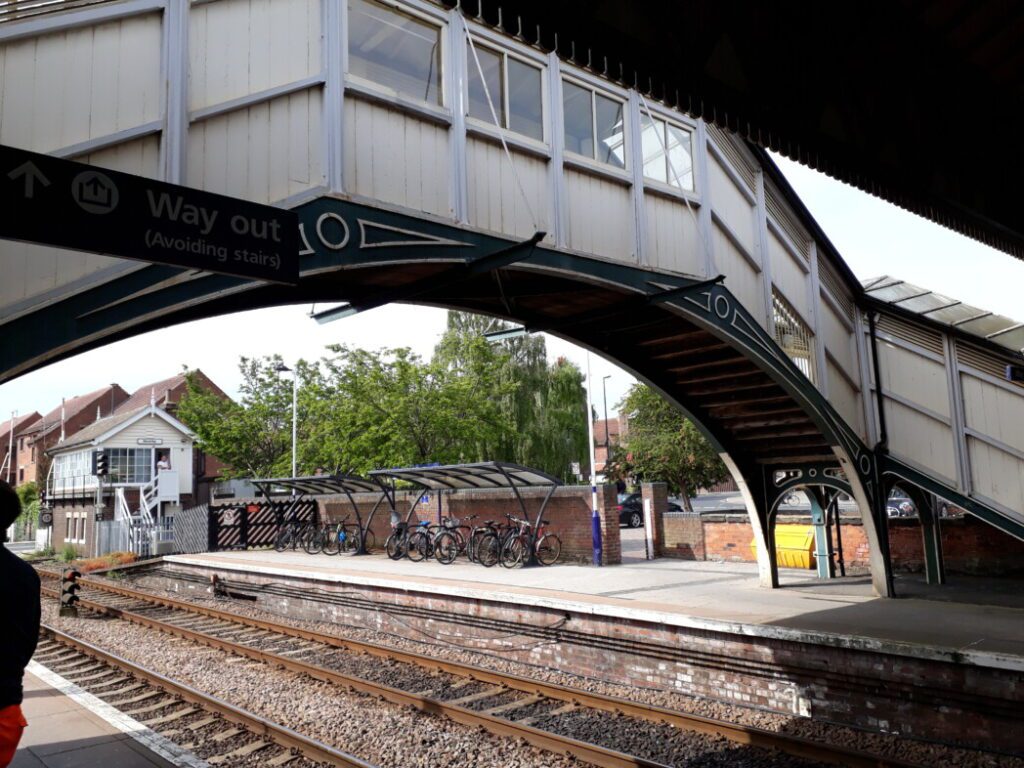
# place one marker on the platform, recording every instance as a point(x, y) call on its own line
point(693, 594)
point(62, 733)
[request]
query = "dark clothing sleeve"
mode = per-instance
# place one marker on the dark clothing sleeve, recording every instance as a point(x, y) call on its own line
point(19, 623)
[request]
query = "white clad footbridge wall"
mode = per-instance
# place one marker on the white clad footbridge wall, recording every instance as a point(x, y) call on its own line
point(260, 100)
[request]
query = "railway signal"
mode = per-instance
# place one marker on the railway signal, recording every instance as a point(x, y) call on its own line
point(100, 463)
point(69, 587)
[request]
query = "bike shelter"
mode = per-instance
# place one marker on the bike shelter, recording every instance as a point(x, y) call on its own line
point(330, 485)
point(477, 476)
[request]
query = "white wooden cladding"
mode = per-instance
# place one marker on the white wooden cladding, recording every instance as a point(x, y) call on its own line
point(65, 88)
point(240, 47)
point(259, 125)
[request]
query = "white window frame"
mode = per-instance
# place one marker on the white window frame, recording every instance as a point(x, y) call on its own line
point(488, 127)
point(152, 464)
point(374, 91)
point(73, 528)
point(669, 187)
point(592, 164)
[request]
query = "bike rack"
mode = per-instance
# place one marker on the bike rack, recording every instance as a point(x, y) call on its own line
point(487, 474)
point(336, 485)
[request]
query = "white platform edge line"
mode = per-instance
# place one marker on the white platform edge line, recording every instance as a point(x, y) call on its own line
point(749, 629)
point(149, 738)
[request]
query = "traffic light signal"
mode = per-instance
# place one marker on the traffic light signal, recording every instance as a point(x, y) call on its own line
point(69, 587)
point(100, 465)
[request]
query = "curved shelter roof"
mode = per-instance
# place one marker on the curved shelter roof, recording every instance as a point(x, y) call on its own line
point(486, 474)
point(314, 485)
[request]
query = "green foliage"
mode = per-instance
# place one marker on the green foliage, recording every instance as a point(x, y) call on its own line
point(359, 409)
point(69, 553)
point(663, 445)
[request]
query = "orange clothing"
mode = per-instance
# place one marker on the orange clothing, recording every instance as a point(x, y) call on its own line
point(12, 725)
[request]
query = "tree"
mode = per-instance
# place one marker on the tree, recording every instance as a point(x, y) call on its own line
point(253, 436)
point(543, 403)
point(662, 444)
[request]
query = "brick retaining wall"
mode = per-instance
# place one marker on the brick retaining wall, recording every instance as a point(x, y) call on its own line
point(780, 670)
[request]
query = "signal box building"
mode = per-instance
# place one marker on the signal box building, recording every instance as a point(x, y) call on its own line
point(149, 460)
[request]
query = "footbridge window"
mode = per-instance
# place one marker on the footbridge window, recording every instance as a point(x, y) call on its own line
point(668, 155)
point(514, 88)
point(793, 335)
point(594, 124)
point(398, 51)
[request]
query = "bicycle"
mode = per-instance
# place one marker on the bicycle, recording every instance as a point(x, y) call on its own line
point(421, 542)
point(399, 543)
point(335, 538)
point(292, 534)
point(547, 547)
point(450, 542)
point(486, 542)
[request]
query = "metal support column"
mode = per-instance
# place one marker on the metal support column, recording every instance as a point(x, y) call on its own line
point(822, 543)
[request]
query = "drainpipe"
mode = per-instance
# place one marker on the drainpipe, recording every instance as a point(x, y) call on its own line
point(883, 433)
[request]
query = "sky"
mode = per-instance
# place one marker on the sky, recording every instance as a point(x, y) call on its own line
point(873, 237)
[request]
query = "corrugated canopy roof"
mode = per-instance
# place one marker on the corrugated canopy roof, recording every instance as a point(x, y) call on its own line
point(321, 485)
point(996, 329)
point(487, 474)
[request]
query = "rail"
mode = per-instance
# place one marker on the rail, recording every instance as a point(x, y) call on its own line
point(740, 734)
point(271, 731)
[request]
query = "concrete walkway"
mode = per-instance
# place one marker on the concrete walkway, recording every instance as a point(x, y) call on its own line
point(842, 611)
point(63, 734)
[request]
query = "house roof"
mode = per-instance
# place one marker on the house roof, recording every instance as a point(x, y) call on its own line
point(158, 390)
point(102, 429)
point(72, 407)
point(21, 423)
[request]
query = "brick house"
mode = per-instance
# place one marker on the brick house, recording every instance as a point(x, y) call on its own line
point(69, 417)
point(8, 444)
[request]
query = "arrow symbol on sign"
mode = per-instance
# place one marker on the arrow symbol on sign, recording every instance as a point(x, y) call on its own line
point(31, 175)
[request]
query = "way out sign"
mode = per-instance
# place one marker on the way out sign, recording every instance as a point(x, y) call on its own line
point(81, 207)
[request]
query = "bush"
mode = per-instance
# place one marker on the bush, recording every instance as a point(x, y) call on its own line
point(106, 561)
point(69, 553)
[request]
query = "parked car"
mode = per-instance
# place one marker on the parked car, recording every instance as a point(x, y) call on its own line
point(631, 510)
point(899, 505)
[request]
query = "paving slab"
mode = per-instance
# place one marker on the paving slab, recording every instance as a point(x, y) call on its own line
point(63, 733)
point(700, 594)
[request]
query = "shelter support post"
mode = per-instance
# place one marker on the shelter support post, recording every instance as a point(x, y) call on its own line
point(820, 502)
point(364, 528)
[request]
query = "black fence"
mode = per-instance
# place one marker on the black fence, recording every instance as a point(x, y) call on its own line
point(247, 525)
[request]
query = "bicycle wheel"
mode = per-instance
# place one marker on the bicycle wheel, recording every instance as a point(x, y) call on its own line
point(446, 548)
point(513, 550)
point(396, 545)
point(487, 549)
point(549, 548)
point(331, 544)
point(283, 538)
point(419, 546)
point(314, 543)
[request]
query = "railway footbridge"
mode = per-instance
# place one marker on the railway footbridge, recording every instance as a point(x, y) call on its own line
point(433, 159)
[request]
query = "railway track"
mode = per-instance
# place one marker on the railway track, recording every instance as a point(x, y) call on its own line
point(504, 704)
point(213, 730)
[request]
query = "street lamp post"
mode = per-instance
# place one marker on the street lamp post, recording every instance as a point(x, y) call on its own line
point(604, 393)
point(282, 368)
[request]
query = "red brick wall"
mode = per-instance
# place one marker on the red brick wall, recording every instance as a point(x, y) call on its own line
point(865, 688)
point(969, 545)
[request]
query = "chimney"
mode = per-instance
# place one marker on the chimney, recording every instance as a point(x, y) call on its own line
point(61, 421)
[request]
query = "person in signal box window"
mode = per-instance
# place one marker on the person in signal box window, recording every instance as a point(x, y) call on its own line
point(19, 617)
